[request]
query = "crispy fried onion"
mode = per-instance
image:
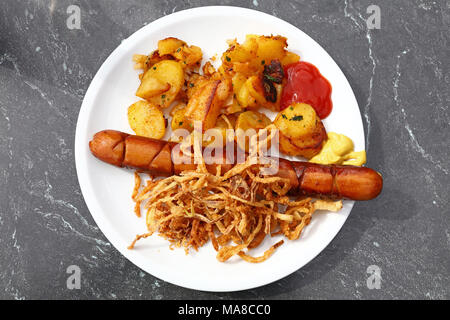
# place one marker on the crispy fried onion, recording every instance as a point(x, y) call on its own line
point(240, 207)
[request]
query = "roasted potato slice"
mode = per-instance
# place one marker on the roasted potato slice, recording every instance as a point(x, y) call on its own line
point(244, 98)
point(244, 68)
point(256, 52)
point(196, 81)
point(169, 45)
point(252, 120)
point(208, 69)
point(224, 90)
point(177, 107)
point(301, 131)
point(206, 102)
point(239, 58)
point(146, 120)
point(167, 72)
point(238, 81)
point(289, 58)
point(312, 140)
point(310, 152)
point(152, 87)
point(240, 53)
point(255, 87)
point(286, 146)
point(154, 58)
point(249, 120)
point(269, 48)
point(297, 121)
point(179, 120)
point(189, 56)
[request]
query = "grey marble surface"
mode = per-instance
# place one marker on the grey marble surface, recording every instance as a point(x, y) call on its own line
point(399, 73)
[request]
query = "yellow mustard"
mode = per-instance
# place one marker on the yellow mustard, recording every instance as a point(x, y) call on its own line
point(339, 149)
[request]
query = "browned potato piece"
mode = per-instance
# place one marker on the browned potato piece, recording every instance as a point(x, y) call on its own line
point(244, 68)
point(238, 81)
point(256, 95)
point(139, 60)
point(310, 152)
point(196, 81)
point(301, 131)
point(177, 107)
point(252, 120)
point(251, 45)
point(244, 98)
point(287, 147)
point(154, 58)
point(224, 90)
point(146, 120)
point(166, 71)
point(297, 120)
point(208, 69)
point(313, 140)
point(179, 120)
point(289, 58)
point(206, 101)
point(269, 48)
point(257, 51)
point(152, 87)
point(188, 56)
point(240, 53)
point(256, 90)
point(249, 120)
point(238, 58)
point(169, 45)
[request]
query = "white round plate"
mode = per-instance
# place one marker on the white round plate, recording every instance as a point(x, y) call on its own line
point(107, 189)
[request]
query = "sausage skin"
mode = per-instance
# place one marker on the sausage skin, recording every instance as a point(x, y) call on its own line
point(156, 157)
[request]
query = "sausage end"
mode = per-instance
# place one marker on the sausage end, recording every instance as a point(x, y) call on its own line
point(109, 146)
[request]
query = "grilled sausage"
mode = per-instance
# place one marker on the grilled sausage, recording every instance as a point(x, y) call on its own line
point(157, 157)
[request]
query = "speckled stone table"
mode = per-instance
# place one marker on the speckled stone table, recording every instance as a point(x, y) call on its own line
point(399, 73)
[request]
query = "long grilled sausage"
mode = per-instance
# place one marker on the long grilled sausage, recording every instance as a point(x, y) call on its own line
point(156, 156)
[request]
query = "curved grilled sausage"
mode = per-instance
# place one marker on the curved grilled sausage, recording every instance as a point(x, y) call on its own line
point(156, 156)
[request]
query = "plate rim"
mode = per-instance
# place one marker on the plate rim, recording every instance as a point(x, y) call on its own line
point(83, 120)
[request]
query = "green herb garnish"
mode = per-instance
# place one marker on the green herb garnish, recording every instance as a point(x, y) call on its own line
point(228, 58)
point(284, 116)
point(297, 118)
point(268, 77)
point(263, 62)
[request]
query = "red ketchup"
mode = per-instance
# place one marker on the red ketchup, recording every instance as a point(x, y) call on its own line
point(306, 84)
